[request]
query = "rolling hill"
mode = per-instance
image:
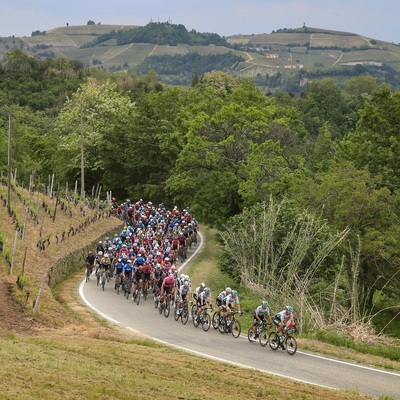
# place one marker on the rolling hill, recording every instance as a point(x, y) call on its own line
point(310, 52)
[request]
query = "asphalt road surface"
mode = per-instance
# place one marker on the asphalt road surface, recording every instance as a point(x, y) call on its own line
point(304, 367)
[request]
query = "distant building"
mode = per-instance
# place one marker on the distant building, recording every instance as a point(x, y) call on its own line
point(293, 66)
point(272, 55)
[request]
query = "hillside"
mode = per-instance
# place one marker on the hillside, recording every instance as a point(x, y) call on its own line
point(65, 351)
point(41, 232)
point(309, 52)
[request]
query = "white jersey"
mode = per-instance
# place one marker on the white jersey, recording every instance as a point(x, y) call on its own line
point(261, 311)
point(231, 300)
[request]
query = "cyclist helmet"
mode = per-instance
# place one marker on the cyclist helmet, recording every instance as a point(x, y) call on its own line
point(106, 255)
point(234, 293)
point(100, 253)
point(264, 303)
point(202, 285)
point(100, 242)
point(119, 259)
point(228, 290)
point(186, 283)
point(207, 290)
point(289, 308)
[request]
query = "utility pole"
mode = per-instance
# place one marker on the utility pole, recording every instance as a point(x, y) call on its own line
point(9, 166)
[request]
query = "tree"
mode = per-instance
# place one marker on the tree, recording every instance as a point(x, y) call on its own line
point(376, 142)
point(104, 114)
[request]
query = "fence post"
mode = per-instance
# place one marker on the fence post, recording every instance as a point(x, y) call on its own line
point(35, 307)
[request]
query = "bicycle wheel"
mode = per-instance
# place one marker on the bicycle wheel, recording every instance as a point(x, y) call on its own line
point(215, 320)
point(250, 334)
point(273, 339)
point(161, 307)
point(291, 345)
point(196, 319)
point(155, 301)
point(222, 325)
point(103, 281)
point(176, 314)
point(145, 293)
point(206, 322)
point(235, 328)
point(185, 315)
point(194, 310)
point(264, 337)
point(167, 309)
point(138, 295)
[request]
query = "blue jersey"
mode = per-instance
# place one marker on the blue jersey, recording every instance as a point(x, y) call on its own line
point(140, 261)
point(128, 269)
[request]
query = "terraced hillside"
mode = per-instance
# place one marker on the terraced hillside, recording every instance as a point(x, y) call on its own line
point(286, 51)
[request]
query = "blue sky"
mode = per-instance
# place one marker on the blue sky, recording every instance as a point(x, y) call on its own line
point(377, 20)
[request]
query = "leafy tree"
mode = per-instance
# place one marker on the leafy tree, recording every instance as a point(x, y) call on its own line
point(376, 142)
point(102, 114)
point(325, 103)
point(360, 85)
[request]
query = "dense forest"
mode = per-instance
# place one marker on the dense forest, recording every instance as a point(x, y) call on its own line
point(304, 189)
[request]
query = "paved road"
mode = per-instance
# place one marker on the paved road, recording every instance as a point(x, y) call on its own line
point(304, 367)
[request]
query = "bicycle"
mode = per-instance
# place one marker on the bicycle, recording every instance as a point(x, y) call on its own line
point(262, 332)
point(88, 272)
point(127, 287)
point(98, 273)
point(182, 312)
point(118, 283)
point(227, 325)
point(287, 341)
point(103, 278)
point(165, 305)
point(156, 298)
point(203, 318)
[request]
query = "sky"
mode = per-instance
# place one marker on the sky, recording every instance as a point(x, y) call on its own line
point(374, 19)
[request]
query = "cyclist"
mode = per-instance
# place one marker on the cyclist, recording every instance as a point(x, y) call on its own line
point(118, 271)
point(199, 290)
point(147, 272)
point(128, 270)
point(282, 319)
point(259, 317)
point(229, 302)
point(89, 260)
point(100, 247)
point(105, 265)
point(220, 299)
point(167, 286)
point(203, 299)
point(137, 280)
point(184, 292)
